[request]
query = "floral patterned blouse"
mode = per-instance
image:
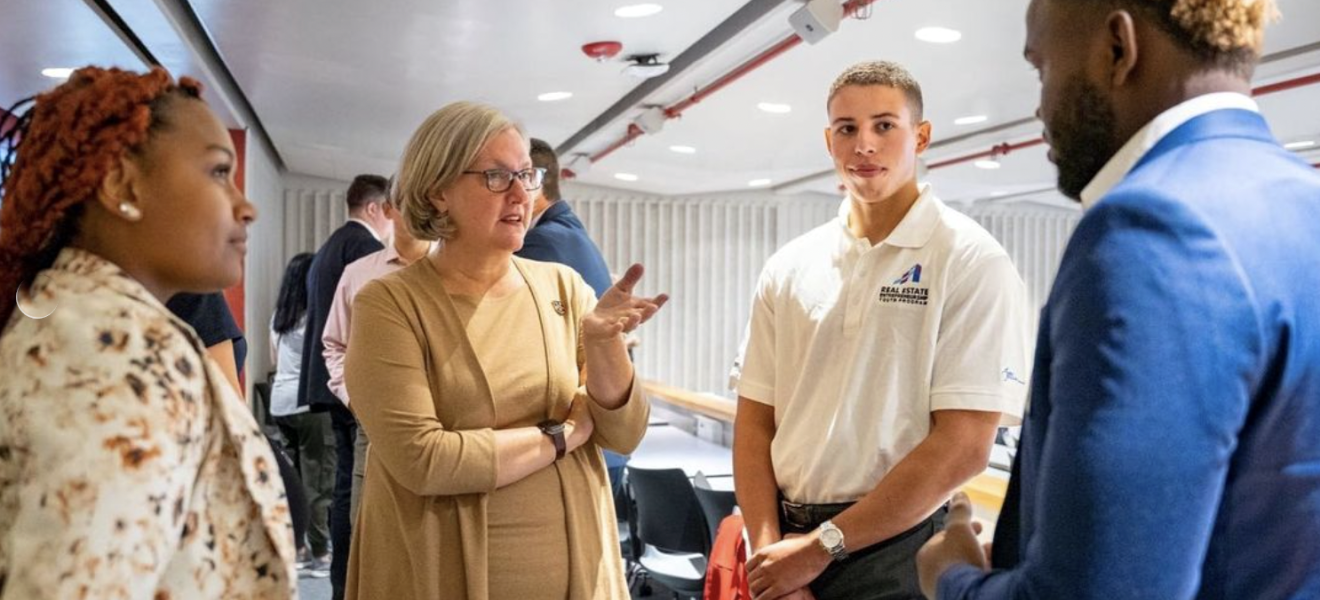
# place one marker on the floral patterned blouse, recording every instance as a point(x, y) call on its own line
point(129, 468)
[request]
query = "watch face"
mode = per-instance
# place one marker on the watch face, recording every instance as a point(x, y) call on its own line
point(551, 427)
point(831, 537)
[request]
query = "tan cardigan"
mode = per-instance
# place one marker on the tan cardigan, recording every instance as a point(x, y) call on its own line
point(423, 398)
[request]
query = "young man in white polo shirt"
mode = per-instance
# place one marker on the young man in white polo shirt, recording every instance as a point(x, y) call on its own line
point(885, 349)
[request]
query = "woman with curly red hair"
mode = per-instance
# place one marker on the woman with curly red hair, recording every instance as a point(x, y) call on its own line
point(129, 467)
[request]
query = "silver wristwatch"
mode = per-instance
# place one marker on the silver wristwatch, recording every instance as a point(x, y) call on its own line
point(831, 539)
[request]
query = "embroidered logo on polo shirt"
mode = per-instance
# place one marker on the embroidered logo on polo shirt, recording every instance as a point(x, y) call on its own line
point(912, 275)
point(559, 308)
point(1009, 375)
point(904, 289)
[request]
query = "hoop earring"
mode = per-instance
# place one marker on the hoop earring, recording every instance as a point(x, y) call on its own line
point(130, 211)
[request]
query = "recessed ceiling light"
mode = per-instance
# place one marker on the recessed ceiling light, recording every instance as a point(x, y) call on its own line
point(683, 149)
point(988, 164)
point(554, 96)
point(774, 108)
point(625, 177)
point(970, 120)
point(938, 35)
point(57, 72)
point(758, 182)
point(1301, 145)
point(634, 11)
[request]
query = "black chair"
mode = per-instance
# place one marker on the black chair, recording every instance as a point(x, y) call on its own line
point(672, 527)
point(715, 505)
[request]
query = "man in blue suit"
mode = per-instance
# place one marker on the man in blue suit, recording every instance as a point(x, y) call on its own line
point(1172, 444)
point(557, 236)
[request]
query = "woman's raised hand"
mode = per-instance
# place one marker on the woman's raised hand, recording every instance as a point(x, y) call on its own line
point(619, 311)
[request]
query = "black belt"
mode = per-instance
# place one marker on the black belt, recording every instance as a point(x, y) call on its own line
point(810, 516)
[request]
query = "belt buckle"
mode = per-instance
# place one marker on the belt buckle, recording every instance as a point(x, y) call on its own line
point(795, 514)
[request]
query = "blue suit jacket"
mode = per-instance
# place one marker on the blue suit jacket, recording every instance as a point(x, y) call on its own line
point(1172, 448)
point(559, 237)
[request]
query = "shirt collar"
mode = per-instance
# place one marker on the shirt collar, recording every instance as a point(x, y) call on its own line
point(90, 271)
point(916, 227)
point(367, 225)
point(1148, 136)
point(391, 254)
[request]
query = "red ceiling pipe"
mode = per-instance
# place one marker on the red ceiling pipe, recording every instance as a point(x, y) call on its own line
point(634, 132)
point(1286, 85)
point(783, 46)
point(995, 152)
point(673, 112)
point(1003, 149)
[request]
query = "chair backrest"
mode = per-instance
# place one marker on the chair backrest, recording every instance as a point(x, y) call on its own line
point(668, 514)
point(715, 505)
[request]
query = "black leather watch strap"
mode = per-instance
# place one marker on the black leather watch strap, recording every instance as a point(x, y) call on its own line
point(555, 430)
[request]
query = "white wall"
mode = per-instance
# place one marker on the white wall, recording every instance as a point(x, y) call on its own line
point(706, 252)
point(265, 189)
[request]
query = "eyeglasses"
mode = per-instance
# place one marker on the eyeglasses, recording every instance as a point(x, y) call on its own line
point(500, 180)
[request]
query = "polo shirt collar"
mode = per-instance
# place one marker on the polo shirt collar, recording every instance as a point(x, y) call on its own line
point(917, 226)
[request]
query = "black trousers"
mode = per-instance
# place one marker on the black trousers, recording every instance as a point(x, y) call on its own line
point(293, 489)
point(883, 571)
point(341, 522)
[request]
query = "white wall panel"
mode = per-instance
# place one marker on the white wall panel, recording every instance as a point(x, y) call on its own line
point(265, 190)
point(706, 253)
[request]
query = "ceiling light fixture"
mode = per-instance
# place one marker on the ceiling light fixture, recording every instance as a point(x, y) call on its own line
point(758, 182)
point(988, 164)
point(971, 120)
point(683, 149)
point(625, 177)
point(57, 72)
point(554, 96)
point(938, 35)
point(773, 108)
point(1299, 145)
point(634, 11)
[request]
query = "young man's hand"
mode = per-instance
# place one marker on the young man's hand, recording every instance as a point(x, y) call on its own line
point(786, 567)
point(956, 545)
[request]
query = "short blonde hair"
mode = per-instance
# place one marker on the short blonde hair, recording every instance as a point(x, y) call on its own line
point(881, 72)
point(440, 150)
point(1226, 33)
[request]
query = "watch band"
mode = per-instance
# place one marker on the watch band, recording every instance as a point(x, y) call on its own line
point(835, 546)
point(555, 430)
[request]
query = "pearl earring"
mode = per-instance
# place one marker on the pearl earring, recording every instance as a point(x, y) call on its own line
point(129, 211)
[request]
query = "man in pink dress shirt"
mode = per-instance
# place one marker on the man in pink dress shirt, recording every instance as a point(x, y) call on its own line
point(402, 251)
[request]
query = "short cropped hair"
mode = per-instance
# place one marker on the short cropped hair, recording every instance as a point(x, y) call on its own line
point(367, 189)
point(1226, 34)
point(440, 150)
point(880, 72)
point(543, 156)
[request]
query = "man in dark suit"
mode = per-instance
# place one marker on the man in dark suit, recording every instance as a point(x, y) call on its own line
point(367, 226)
point(558, 236)
point(1172, 445)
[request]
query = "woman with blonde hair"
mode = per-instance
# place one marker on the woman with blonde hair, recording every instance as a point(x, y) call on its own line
point(129, 466)
point(489, 385)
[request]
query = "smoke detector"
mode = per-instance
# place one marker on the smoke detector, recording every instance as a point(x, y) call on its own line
point(601, 51)
point(646, 66)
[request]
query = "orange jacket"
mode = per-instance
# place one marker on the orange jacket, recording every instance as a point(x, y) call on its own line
point(726, 573)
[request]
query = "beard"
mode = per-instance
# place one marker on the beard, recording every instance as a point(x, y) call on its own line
point(1082, 136)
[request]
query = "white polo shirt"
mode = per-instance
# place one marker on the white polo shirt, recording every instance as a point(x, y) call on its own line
point(855, 345)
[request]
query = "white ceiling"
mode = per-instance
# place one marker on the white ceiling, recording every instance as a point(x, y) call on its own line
point(341, 84)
